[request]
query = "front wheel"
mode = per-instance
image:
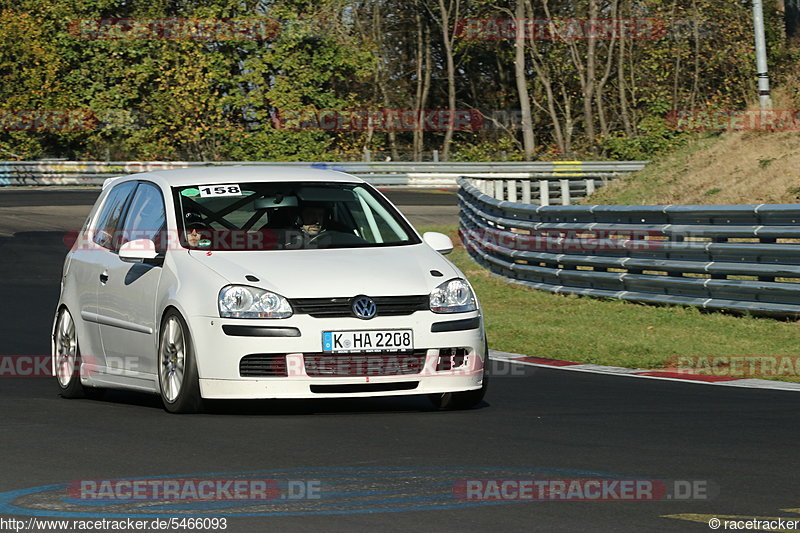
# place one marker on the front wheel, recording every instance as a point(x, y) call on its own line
point(464, 399)
point(177, 367)
point(460, 400)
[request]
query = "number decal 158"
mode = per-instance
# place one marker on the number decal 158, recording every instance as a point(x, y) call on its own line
point(220, 190)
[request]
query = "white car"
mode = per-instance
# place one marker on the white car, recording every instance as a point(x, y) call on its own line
point(263, 282)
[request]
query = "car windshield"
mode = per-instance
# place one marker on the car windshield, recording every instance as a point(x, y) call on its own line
point(287, 216)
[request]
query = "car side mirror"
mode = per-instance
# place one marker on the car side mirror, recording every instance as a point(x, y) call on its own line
point(438, 241)
point(140, 251)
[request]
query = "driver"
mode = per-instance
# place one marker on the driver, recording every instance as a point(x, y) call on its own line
point(196, 229)
point(195, 232)
point(312, 218)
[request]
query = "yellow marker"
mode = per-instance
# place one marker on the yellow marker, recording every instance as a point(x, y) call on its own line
point(568, 168)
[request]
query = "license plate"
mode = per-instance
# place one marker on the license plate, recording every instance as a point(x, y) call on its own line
point(389, 340)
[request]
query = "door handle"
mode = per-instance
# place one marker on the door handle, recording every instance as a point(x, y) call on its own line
point(104, 278)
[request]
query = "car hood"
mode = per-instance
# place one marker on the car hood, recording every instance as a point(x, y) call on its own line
point(389, 271)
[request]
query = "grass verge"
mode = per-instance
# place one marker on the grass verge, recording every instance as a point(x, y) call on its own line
point(730, 168)
point(613, 332)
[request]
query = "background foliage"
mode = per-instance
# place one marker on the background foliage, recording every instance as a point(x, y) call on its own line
point(221, 99)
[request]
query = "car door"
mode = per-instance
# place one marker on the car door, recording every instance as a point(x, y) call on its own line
point(86, 264)
point(127, 296)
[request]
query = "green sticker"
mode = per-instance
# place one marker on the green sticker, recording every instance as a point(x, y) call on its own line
point(203, 243)
point(190, 192)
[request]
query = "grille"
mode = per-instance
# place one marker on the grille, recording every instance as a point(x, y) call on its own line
point(341, 307)
point(365, 364)
point(263, 364)
point(451, 358)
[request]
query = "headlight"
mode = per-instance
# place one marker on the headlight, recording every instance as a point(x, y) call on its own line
point(454, 296)
point(241, 301)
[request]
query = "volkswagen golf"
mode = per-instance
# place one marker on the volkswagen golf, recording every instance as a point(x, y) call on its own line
point(263, 282)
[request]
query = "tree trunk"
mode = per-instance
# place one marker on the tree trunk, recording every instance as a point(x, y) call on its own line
point(415, 150)
point(600, 91)
point(380, 78)
point(588, 86)
point(447, 40)
point(423, 86)
point(522, 83)
point(544, 77)
point(621, 90)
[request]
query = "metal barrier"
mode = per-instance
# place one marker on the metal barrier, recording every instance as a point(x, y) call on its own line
point(743, 258)
point(409, 174)
point(541, 188)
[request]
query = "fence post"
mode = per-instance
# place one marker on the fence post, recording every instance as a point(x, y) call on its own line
point(544, 192)
point(498, 189)
point(526, 191)
point(564, 192)
point(512, 190)
point(436, 156)
point(589, 186)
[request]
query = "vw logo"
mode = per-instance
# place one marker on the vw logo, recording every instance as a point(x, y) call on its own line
point(364, 307)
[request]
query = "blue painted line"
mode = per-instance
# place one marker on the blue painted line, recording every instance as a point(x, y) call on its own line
point(323, 497)
point(339, 475)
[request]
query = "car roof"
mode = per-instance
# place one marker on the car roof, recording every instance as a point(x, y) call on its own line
point(242, 174)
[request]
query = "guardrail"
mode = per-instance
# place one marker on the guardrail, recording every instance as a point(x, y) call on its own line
point(409, 174)
point(541, 188)
point(743, 258)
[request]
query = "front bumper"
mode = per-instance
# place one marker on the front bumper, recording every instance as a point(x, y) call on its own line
point(219, 354)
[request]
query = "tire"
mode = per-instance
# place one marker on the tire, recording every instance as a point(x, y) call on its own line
point(177, 368)
point(67, 357)
point(465, 399)
point(460, 400)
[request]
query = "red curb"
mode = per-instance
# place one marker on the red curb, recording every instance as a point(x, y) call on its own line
point(668, 373)
point(545, 361)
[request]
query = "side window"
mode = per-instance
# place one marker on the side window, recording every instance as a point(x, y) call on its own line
point(109, 218)
point(146, 217)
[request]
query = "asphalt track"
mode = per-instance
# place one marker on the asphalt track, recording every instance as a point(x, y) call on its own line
point(393, 462)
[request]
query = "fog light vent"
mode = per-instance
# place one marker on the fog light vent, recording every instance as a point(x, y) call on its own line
point(452, 358)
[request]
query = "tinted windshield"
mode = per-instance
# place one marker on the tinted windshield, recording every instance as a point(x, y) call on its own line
point(287, 216)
